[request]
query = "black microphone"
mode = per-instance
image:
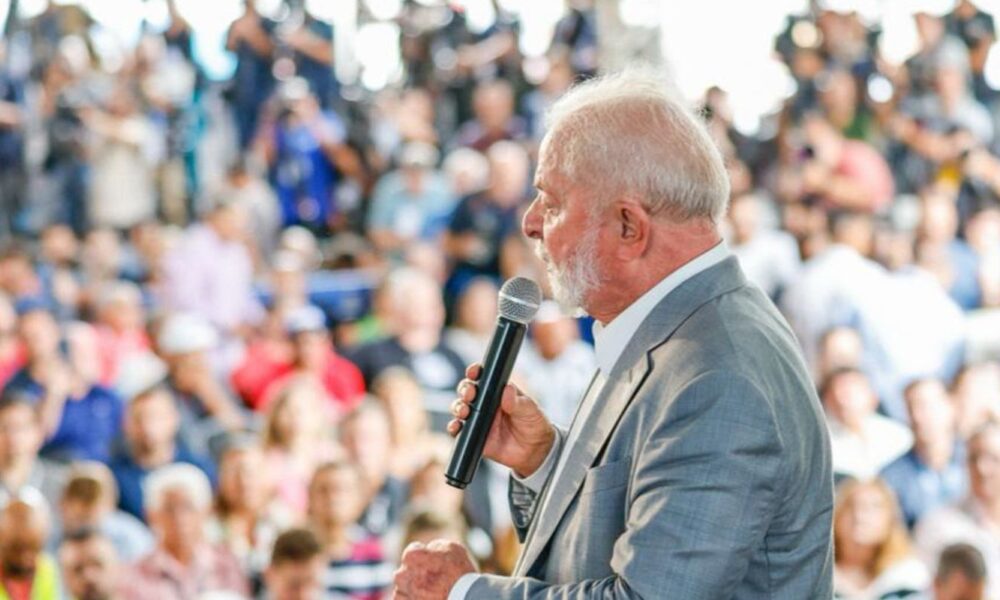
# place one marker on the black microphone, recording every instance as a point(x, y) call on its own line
point(518, 303)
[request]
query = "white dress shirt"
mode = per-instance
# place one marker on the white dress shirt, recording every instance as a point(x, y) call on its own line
point(609, 343)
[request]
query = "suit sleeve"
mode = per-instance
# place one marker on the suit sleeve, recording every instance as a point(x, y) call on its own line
point(701, 497)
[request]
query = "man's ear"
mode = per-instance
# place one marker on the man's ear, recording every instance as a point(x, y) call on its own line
point(632, 228)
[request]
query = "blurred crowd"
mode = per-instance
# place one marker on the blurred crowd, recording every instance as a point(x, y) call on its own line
point(233, 314)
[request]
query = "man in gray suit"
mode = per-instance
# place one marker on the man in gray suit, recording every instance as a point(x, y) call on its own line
point(698, 464)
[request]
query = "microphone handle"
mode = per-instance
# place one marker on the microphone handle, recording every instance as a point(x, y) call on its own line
point(497, 365)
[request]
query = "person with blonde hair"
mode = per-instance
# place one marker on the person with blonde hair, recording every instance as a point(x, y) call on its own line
point(872, 553)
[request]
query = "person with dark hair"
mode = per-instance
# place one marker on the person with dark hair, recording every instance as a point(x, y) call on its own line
point(20, 439)
point(296, 568)
point(89, 566)
point(961, 574)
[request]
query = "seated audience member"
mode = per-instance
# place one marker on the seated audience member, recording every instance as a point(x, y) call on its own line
point(20, 439)
point(11, 351)
point(296, 568)
point(26, 570)
point(933, 472)
point(417, 318)
point(872, 549)
point(312, 355)
point(863, 441)
point(150, 442)
point(89, 502)
point(297, 440)
point(976, 394)
point(475, 320)
point(556, 354)
point(246, 521)
point(976, 519)
point(356, 563)
point(89, 566)
point(79, 418)
point(184, 341)
point(961, 574)
point(183, 565)
point(367, 440)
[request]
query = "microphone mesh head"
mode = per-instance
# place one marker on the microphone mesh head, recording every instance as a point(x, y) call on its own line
point(520, 298)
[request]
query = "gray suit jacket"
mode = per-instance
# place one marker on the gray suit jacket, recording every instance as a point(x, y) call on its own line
point(703, 472)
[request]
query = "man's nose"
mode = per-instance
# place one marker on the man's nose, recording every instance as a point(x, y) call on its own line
point(531, 225)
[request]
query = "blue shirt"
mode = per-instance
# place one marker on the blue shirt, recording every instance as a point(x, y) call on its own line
point(130, 476)
point(921, 489)
point(87, 426)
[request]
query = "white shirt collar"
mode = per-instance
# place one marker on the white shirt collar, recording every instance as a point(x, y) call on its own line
point(610, 340)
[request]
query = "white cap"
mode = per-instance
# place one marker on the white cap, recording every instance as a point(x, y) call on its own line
point(186, 332)
point(139, 373)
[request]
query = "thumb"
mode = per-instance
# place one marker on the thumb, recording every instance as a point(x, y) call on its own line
point(513, 401)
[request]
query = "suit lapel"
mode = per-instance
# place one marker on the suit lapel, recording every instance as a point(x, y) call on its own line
point(621, 387)
point(595, 430)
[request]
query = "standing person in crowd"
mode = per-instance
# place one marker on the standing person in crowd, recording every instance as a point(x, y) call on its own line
point(90, 568)
point(296, 568)
point(475, 320)
point(873, 555)
point(356, 564)
point(975, 392)
point(250, 37)
point(933, 472)
point(183, 565)
point(26, 570)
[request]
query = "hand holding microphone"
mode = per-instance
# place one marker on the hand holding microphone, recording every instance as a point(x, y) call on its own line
point(492, 418)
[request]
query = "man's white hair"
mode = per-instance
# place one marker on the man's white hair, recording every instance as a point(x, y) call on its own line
point(633, 133)
point(178, 476)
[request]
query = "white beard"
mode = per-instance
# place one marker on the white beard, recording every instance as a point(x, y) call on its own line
point(573, 282)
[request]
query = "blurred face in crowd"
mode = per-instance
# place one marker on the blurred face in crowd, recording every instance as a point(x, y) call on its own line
point(242, 484)
point(89, 568)
point(976, 395)
point(983, 230)
point(938, 217)
point(311, 349)
point(957, 586)
point(932, 416)
point(850, 399)
point(296, 580)
point(229, 222)
point(178, 521)
point(477, 308)
point(59, 245)
point(744, 217)
point(82, 346)
point(840, 348)
point(493, 104)
point(8, 319)
point(20, 435)
point(865, 517)
point(984, 466)
point(403, 398)
point(39, 333)
point(151, 422)
point(508, 173)
point(298, 414)
point(552, 337)
point(367, 438)
point(124, 312)
point(839, 92)
point(429, 488)
point(418, 308)
point(335, 498)
point(23, 531)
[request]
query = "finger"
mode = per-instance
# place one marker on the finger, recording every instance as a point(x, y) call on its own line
point(472, 371)
point(467, 391)
point(454, 426)
point(413, 549)
point(460, 410)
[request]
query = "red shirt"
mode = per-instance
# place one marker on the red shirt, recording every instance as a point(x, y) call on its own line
point(262, 371)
